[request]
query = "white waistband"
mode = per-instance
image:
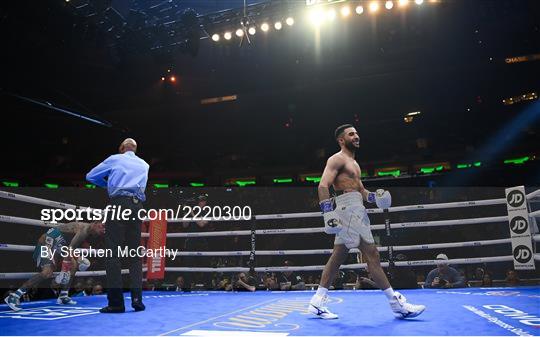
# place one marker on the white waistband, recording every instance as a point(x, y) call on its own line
point(348, 199)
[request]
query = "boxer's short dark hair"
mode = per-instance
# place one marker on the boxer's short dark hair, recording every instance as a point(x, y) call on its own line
point(342, 128)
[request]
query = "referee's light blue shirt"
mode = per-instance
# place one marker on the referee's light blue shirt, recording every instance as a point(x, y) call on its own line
point(126, 174)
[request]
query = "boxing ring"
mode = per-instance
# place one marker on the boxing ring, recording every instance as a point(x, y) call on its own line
point(459, 311)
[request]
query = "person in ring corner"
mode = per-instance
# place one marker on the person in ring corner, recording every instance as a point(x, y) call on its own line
point(125, 175)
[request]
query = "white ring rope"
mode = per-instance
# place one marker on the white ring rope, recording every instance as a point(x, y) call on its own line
point(533, 194)
point(37, 201)
point(473, 260)
point(535, 214)
point(271, 231)
point(470, 221)
point(15, 276)
point(25, 248)
point(26, 221)
point(458, 204)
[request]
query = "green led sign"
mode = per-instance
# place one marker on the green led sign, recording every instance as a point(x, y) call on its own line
point(243, 183)
point(161, 185)
point(395, 173)
point(517, 161)
point(196, 184)
point(283, 180)
point(431, 169)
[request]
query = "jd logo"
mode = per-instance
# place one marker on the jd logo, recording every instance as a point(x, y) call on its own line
point(522, 254)
point(515, 198)
point(519, 225)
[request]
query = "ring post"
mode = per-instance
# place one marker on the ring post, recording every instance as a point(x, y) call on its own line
point(389, 243)
point(251, 262)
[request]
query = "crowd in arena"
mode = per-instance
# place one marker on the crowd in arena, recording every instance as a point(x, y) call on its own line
point(285, 281)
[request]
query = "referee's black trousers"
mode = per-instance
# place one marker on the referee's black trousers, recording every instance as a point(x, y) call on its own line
point(122, 234)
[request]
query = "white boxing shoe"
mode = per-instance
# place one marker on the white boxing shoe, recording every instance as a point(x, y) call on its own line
point(317, 306)
point(402, 309)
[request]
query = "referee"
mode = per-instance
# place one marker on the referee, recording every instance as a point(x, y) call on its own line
point(125, 175)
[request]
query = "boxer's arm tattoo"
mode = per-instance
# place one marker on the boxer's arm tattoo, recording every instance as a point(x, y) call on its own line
point(80, 230)
point(80, 236)
point(70, 227)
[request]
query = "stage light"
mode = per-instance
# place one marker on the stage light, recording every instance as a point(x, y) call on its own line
point(278, 25)
point(373, 6)
point(403, 3)
point(172, 79)
point(239, 32)
point(162, 78)
point(389, 5)
point(419, 2)
point(252, 30)
point(289, 21)
point(316, 17)
point(359, 10)
point(215, 37)
point(265, 27)
point(345, 11)
point(227, 35)
point(331, 14)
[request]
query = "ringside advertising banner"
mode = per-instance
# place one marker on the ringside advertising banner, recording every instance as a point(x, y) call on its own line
point(157, 240)
point(520, 232)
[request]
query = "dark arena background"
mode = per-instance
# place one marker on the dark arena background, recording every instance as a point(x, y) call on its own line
point(233, 104)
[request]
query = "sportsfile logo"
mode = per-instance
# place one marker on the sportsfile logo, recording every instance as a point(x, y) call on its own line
point(515, 198)
point(522, 254)
point(519, 225)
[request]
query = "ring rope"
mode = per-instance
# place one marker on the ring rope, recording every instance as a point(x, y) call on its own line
point(352, 251)
point(26, 221)
point(458, 204)
point(469, 221)
point(533, 194)
point(417, 224)
point(25, 248)
point(535, 214)
point(473, 260)
point(15, 276)
point(37, 201)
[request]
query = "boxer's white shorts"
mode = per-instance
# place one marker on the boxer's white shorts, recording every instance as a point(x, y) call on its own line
point(352, 213)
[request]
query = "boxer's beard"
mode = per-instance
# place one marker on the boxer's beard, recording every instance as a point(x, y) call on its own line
point(350, 146)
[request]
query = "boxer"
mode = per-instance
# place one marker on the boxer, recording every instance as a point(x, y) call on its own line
point(54, 239)
point(346, 217)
